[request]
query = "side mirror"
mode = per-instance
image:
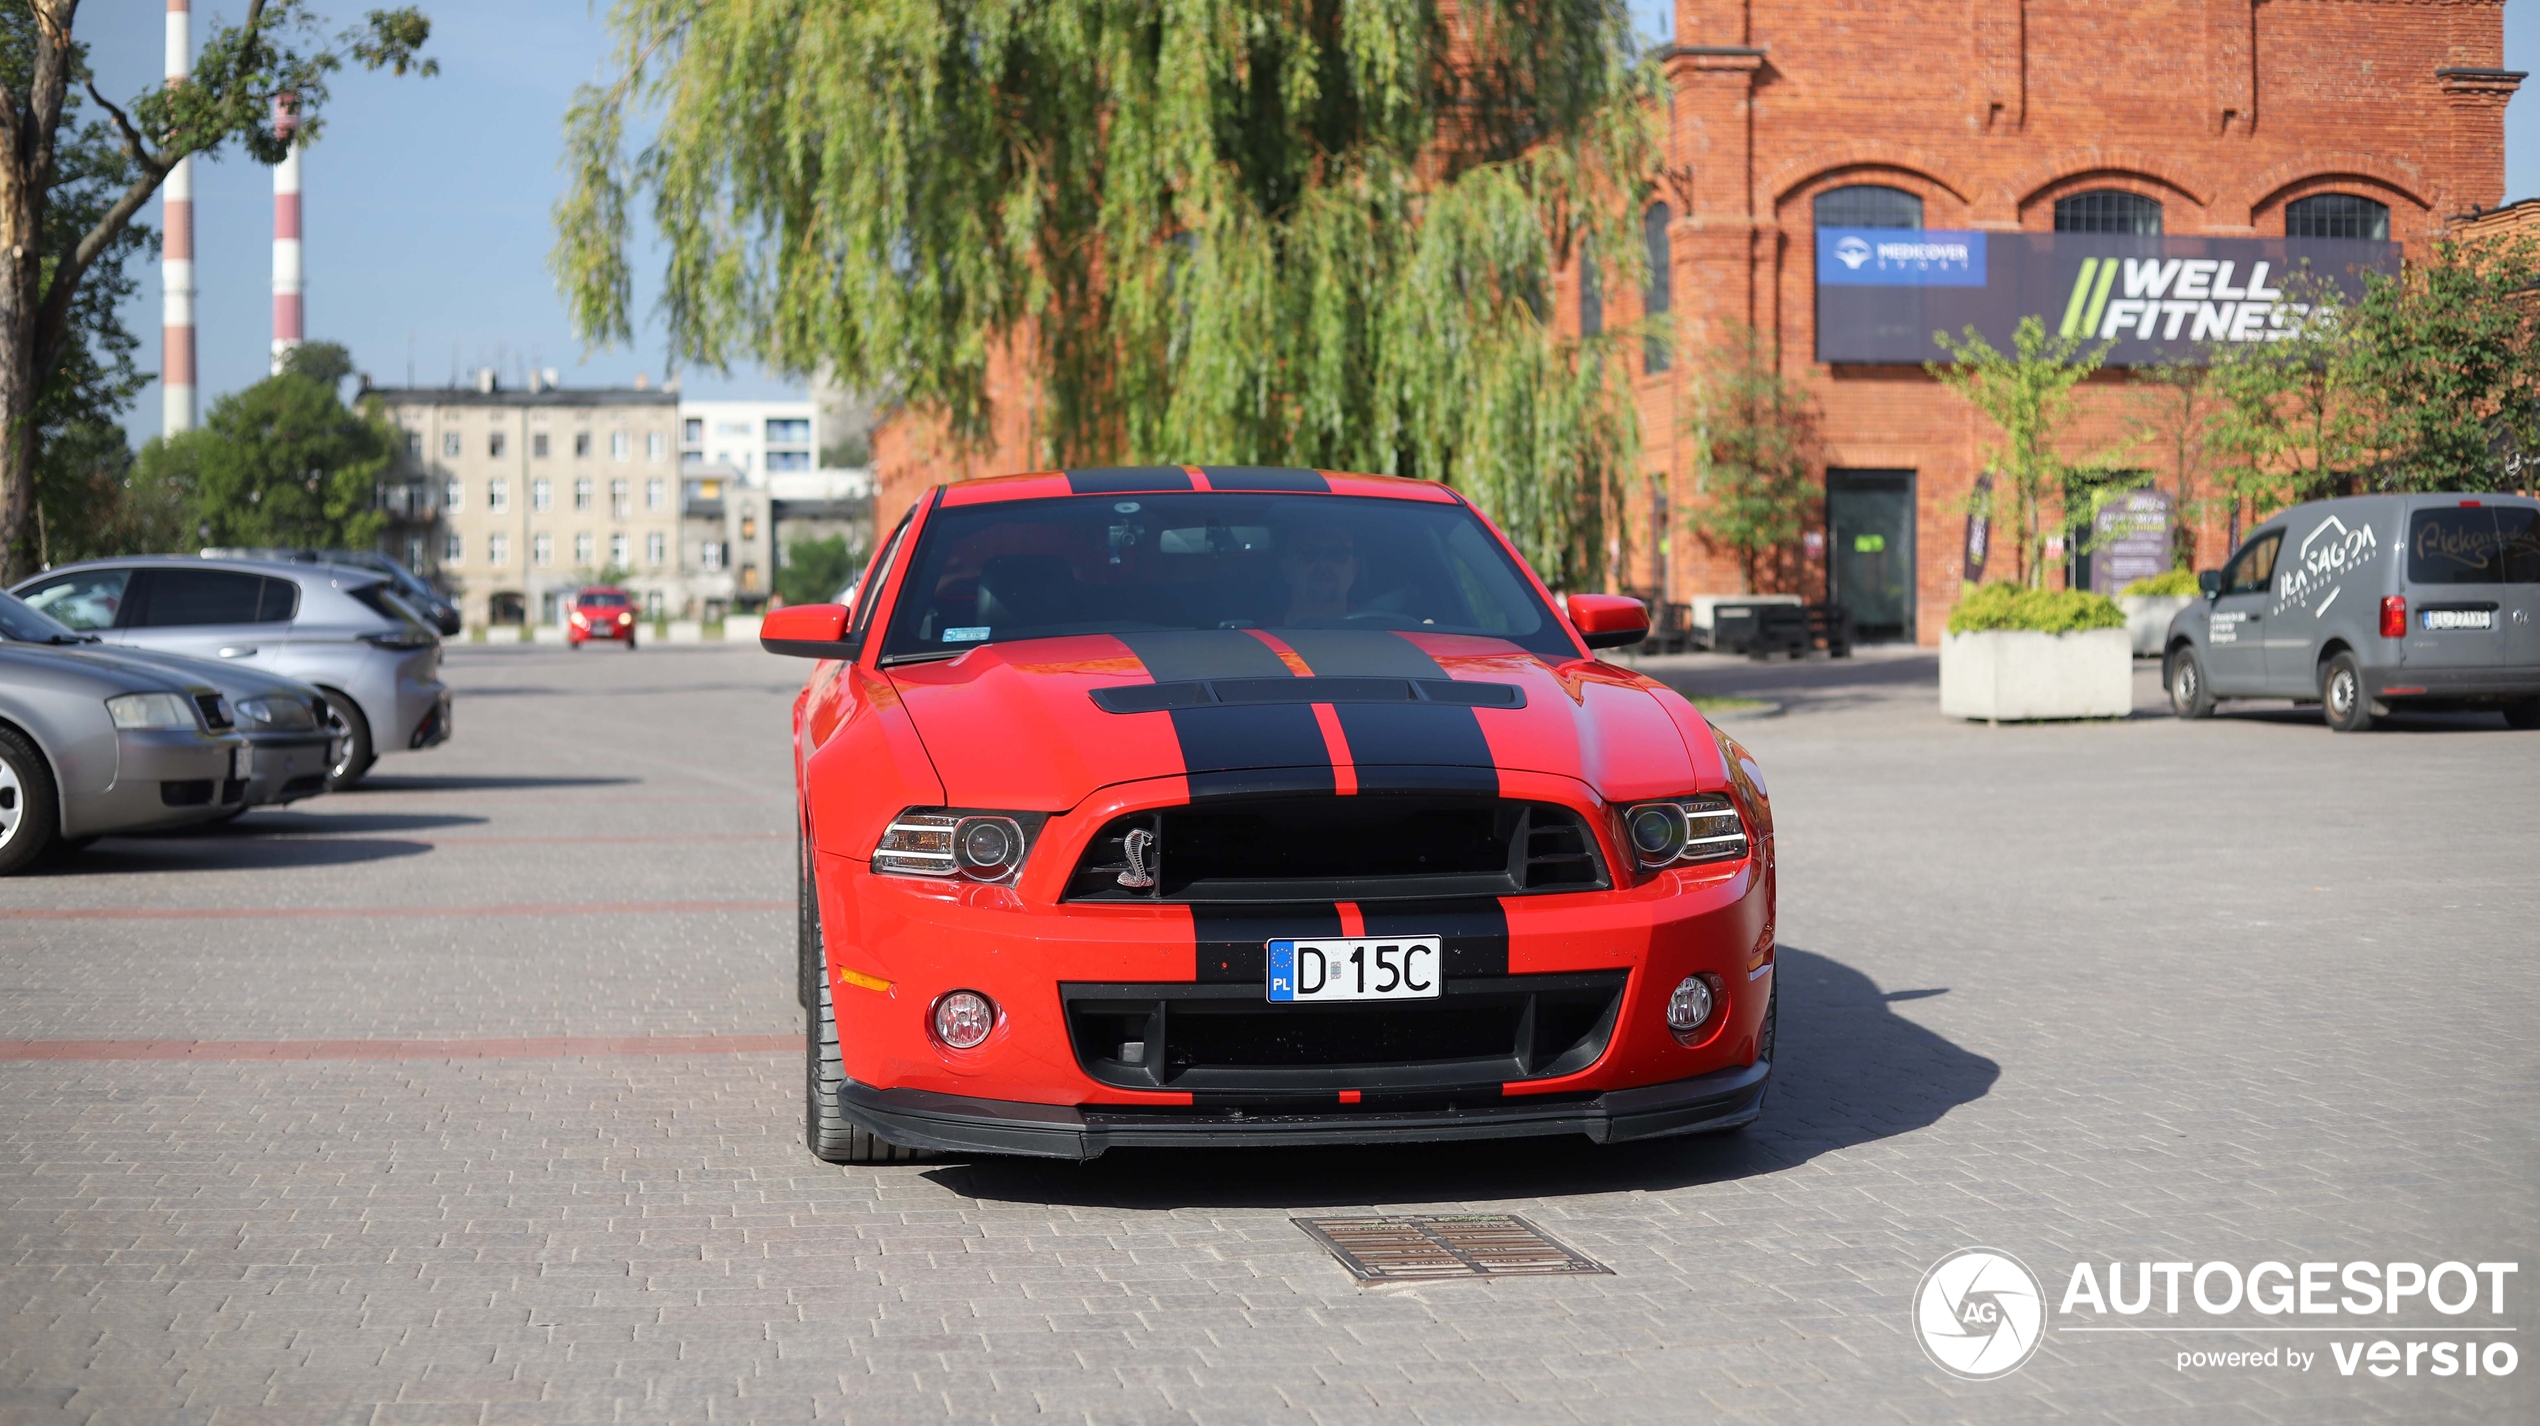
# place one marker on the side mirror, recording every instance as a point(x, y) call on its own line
point(1608, 621)
point(808, 631)
point(2209, 583)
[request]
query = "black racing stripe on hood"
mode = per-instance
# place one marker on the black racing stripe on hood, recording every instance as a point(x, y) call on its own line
point(1233, 941)
point(1224, 745)
point(1127, 479)
point(1472, 931)
point(1443, 739)
point(1283, 478)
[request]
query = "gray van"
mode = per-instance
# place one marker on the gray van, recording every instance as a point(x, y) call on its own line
point(2369, 604)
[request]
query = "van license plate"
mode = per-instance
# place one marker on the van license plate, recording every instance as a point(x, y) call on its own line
point(2439, 619)
point(1374, 968)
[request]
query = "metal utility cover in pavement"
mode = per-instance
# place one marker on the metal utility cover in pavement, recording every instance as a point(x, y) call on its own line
point(1454, 1245)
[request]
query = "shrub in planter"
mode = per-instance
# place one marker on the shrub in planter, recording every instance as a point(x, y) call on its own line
point(2151, 603)
point(2014, 653)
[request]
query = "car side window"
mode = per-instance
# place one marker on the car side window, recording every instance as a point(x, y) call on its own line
point(2518, 526)
point(87, 601)
point(180, 596)
point(2254, 569)
point(2453, 545)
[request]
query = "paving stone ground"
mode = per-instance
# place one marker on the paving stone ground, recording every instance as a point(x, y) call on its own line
point(2241, 991)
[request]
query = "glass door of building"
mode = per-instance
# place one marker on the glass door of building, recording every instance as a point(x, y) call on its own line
point(1870, 550)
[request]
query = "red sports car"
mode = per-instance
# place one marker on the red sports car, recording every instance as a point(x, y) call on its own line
point(1214, 805)
point(601, 612)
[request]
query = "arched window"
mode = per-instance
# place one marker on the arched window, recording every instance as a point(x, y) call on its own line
point(2108, 210)
point(1868, 205)
point(2337, 215)
point(1661, 292)
point(1591, 294)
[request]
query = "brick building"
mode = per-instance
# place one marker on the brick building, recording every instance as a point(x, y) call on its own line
point(2013, 159)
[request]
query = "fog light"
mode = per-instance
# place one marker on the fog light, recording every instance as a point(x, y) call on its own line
point(964, 1018)
point(1688, 1009)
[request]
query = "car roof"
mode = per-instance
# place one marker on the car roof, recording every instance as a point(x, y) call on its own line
point(1173, 479)
point(356, 575)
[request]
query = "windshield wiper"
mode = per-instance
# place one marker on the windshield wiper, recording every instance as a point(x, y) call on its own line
point(926, 655)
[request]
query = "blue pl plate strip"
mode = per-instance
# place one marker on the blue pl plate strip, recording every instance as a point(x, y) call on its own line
point(1283, 970)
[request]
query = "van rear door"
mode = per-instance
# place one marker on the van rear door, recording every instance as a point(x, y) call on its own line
point(2518, 526)
point(2456, 619)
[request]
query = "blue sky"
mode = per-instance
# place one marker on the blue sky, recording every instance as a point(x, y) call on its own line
point(427, 202)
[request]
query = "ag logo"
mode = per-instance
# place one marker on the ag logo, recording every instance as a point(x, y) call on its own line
point(1851, 252)
point(1979, 1314)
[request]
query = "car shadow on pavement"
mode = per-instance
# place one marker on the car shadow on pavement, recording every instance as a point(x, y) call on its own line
point(125, 856)
point(428, 782)
point(280, 823)
point(1849, 1071)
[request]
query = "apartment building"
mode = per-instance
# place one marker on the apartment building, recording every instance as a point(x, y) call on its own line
point(529, 494)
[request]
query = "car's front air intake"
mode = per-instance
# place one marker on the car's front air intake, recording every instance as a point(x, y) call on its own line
point(1372, 847)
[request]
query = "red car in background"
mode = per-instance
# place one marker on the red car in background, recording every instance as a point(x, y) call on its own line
point(601, 612)
point(1208, 805)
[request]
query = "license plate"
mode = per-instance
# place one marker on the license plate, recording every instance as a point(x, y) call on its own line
point(2435, 619)
point(1375, 968)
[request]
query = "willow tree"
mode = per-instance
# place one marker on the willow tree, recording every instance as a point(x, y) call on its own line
point(1318, 232)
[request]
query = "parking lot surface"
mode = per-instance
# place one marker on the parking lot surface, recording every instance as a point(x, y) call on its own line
point(474, 1096)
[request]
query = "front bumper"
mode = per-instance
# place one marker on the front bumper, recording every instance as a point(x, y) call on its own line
point(919, 1119)
point(285, 767)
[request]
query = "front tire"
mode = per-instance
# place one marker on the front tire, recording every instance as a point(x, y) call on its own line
point(833, 1139)
point(2190, 695)
point(30, 812)
point(2343, 702)
point(344, 719)
point(2524, 714)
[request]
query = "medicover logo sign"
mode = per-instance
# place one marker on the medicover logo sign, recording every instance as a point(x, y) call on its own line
point(1882, 293)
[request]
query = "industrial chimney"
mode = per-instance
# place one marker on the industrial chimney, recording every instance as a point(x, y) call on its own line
point(288, 331)
point(176, 251)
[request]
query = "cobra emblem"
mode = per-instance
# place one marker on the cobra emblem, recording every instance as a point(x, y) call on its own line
point(1139, 848)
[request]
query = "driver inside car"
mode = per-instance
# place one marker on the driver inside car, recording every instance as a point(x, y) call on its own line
point(1319, 563)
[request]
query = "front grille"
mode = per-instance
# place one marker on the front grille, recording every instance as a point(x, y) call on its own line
point(1483, 1031)
point(215, 711)
point(186, 792)
point(1373, 847)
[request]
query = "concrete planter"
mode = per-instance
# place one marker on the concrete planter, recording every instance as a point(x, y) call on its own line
point(741, 628)
point(685, 631)
point(548, 634)
point(503, 634)
point(2008, 675)
point(2147, 619)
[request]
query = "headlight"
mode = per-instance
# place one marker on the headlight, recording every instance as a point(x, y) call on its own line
point(282, 715)
point(151, 710)
point(1684, 830)
point(926, 841)
point(626, 618)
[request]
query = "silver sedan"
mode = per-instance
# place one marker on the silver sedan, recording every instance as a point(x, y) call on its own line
point(90, 747)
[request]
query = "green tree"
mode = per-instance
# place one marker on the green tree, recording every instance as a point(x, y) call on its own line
point(45, 263)
point(1253, 231)
point(2028, 395)
point(1755, 448)
point(283, 462)
point(815, 570)
point(2176, 414)
point(2295, 419)
point(2444, 359)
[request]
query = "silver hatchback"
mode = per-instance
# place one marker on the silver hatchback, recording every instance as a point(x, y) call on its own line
point(342, 629)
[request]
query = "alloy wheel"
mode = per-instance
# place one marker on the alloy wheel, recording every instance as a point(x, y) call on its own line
point(339, 742)
point(2341, 693)
point(12, 802)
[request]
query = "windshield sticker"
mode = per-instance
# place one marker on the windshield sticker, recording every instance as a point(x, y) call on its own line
point(968, 634)
point(2328, 554)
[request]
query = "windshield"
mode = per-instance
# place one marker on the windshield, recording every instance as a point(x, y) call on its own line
point(593, 600)
point(28, 625)
point(1031, 569)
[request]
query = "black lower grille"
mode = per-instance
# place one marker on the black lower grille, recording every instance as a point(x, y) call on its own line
point(1373, 847)
point(186, 792)
point(1215, 1038)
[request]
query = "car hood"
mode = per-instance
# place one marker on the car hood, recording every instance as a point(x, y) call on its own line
point(1039, 725)
point(235, 681)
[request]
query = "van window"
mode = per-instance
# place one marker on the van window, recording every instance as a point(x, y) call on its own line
point(2254, 570)
point(2453, 545)
point(2518, 526)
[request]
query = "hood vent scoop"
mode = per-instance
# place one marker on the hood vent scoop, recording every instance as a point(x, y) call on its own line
point(1200, 693)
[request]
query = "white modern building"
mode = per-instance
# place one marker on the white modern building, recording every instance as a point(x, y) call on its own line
point(753, 438)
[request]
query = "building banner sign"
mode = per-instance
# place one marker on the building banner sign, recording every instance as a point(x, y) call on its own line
point(1883, 292)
